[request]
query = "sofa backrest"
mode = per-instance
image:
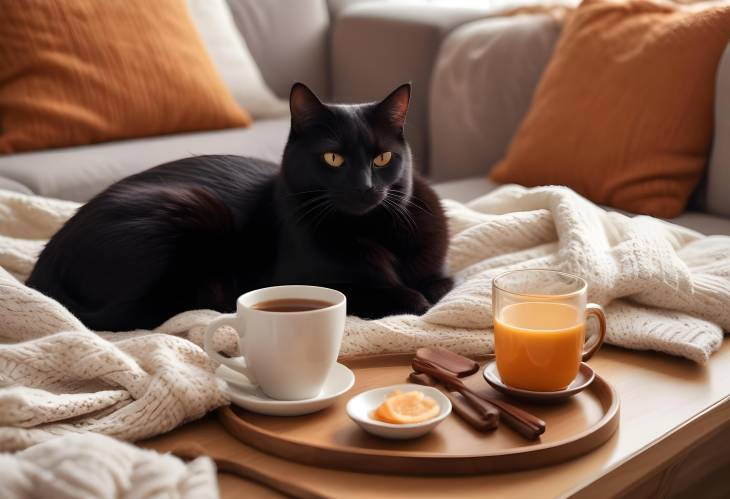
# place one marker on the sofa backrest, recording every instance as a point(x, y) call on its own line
point(379, 45)
point(482, 87)
point(289, 41)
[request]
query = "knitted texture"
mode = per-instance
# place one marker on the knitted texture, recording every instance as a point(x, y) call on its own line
point(99, 467)
point(665, 288)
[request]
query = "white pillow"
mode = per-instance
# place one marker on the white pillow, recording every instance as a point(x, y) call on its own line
point(232, 59)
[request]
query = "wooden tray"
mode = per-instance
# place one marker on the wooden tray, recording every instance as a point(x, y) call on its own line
point(330, 439)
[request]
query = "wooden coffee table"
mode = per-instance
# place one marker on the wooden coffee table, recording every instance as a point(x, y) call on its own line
point(673, 437)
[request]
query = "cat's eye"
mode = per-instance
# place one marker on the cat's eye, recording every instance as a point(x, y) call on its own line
point(333, 159)
point(382, 159)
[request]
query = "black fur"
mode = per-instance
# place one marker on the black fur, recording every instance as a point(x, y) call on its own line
point(198, 232)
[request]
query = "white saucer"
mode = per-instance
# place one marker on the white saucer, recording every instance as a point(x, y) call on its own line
point(339, 381)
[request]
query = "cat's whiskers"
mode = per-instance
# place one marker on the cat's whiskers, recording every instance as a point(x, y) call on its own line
point(401, 212)
point(409, 201)
point(385, 206)
point(323, 214)
point(404, 211)
point(309, 213)
point(306, 206)
point(311, 199)
point(301, 193)
point(405, 221)
point(309, 207)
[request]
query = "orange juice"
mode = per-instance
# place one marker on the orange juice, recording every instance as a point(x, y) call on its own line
point(539, 344)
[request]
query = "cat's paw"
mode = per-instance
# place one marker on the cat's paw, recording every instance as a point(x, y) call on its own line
point(436, 289)
point(406, 301)
point(415, 303)
point(393, 301)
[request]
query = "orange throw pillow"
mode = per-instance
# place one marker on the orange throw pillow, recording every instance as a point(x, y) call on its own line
point(81, 71)
point(624, 111)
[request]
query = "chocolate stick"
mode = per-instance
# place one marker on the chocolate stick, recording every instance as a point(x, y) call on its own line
point(483, 407)
point(459, 365)
point(514, 417)
point(463, 407)
point(523, 422)
point(487, 410)
point(421, 379)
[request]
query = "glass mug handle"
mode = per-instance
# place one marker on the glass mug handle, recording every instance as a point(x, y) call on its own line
point(595, 343)
point(236, 363)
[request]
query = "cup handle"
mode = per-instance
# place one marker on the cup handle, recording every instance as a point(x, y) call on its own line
point(238, 364)
point(596, 311)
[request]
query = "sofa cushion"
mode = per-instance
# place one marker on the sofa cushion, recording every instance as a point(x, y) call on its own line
point(79, 173)
point(466, 189)
point(233, 60)
point(81, 71)
point(611, 118)
point(288, 39)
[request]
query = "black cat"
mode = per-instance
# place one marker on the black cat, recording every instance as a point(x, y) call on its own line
point(345, 211)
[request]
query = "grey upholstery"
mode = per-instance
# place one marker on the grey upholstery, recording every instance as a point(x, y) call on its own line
point(718, 175)
point(12, 185)
point(338, 6)
point(466, 189)
point(289, 40)
point(78, 173)
point(704, 223)
point(377, 46)
point(481, 88)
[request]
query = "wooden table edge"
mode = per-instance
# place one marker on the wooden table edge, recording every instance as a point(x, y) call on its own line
point(654, 454)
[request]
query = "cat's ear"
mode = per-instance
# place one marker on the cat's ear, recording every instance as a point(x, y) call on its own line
point(395, 107)
point(304, 106)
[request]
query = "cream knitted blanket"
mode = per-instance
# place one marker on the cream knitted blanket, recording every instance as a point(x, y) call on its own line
point(93, 466)
point(665, 288)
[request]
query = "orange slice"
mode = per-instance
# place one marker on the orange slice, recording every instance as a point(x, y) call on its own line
point(407, 408)
point(383, 412)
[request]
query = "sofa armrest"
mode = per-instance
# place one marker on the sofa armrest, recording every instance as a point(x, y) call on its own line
point(377, 46)
point(718, 173)
point(482, 86)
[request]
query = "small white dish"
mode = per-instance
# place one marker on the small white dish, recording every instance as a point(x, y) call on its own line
point(243, 394)
point(360, 408)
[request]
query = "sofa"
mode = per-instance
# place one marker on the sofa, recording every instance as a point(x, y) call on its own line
point(462, 116)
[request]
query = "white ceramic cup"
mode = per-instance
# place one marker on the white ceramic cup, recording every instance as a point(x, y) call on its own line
point(287, 354)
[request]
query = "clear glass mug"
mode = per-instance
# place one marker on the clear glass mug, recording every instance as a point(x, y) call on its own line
point(540, 328)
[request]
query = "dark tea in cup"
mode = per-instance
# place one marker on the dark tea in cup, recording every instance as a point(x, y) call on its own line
point(291, 305)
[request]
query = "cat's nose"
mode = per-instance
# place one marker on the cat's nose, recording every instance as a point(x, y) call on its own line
point(365, 184)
